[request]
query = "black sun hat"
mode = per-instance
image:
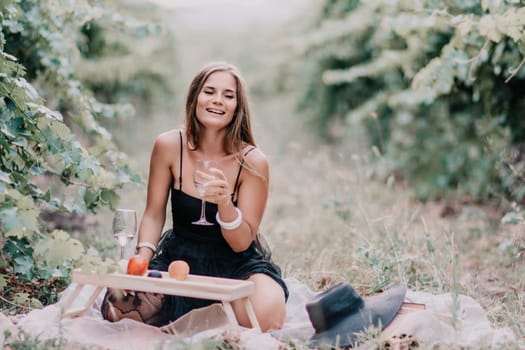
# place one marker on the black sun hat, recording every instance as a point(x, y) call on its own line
point(339, 313)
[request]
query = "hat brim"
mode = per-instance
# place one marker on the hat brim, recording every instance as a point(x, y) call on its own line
point(378, 311)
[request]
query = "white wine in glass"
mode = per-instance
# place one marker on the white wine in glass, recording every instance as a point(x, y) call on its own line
point(200, 177)
point(124, 227)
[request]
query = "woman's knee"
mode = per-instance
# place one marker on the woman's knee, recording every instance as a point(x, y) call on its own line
point(270, 313)
point(268, 303)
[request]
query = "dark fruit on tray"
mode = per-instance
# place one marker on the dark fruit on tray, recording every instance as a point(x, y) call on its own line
point(154, 273)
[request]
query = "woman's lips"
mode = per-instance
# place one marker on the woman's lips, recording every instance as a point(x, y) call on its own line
point(215, 111)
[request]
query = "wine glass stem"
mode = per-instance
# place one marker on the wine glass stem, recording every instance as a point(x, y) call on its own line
point(203, 208)
point(121, 252)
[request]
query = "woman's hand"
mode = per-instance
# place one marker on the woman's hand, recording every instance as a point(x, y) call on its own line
point(217, 190)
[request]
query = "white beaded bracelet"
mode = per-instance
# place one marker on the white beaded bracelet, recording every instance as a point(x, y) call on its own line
point(147, 245)
point(232, 225)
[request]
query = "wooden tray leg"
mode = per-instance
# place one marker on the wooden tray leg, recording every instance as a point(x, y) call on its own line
point(229, 312)
point(251, 313)
point(74, 294)
point(79, 311)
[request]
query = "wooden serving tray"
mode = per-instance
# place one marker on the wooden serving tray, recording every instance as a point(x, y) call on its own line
point(225, 290)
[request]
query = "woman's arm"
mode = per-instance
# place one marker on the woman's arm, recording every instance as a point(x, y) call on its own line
point(251, 198)
point(159, 180)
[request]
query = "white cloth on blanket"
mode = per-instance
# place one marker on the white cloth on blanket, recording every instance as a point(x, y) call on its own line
point(469, 327)
point(473, 327)
point(429, 326)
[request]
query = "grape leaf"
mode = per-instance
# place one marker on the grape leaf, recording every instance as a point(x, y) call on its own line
point(57, 249)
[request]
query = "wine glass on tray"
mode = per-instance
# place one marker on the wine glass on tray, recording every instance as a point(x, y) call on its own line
point(124, 227)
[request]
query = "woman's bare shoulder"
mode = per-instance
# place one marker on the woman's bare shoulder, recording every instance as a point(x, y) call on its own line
point(168, 140)
point(256, 158)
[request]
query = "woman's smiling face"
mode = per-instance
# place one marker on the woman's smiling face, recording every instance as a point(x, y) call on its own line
point(217, 100)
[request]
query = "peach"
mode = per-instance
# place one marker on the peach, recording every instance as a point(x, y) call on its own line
point(137, 265)
point(179, 269)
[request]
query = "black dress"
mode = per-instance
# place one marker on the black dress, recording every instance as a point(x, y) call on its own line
point(205, 250)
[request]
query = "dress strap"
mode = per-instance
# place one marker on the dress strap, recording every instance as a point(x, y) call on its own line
point(180, 161)
point(236, 186)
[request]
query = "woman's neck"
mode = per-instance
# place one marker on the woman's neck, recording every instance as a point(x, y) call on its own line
point(212, 144)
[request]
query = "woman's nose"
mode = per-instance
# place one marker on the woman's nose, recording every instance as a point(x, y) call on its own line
point(217, 99)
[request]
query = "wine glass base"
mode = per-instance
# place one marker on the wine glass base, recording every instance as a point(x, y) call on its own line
point(203, 222)
point(122, 265)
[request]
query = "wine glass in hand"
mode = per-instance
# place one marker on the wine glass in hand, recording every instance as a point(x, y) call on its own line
point(124, 227)
point(200, 177)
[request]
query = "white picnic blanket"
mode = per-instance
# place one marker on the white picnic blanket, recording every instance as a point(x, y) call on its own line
point(473, 329)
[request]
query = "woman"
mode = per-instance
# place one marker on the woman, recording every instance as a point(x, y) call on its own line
point(217, 127)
